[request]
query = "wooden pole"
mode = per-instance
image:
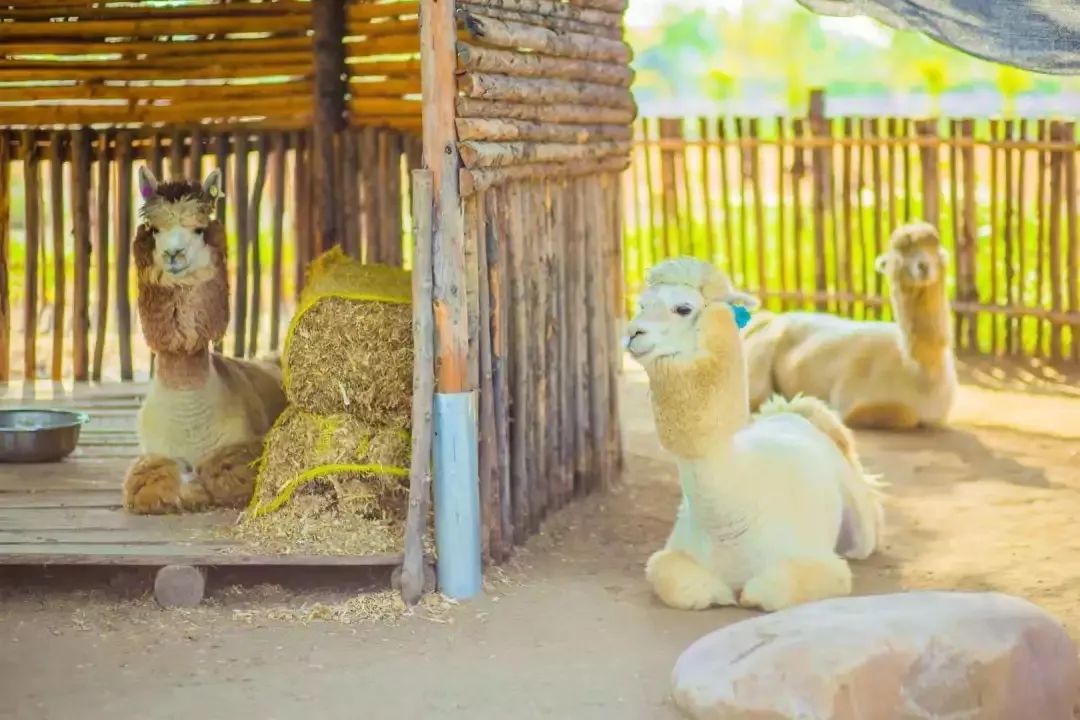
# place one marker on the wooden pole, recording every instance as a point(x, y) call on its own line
point(820, 171)
point(56, 207)
point(32, 173)
point(328, 21)
point(254, 215)
point(277, 172)
point(80, 212)
point(101, 234)
point(412, 570)
point(5, 282)
point(123, 249)
point(457, 512)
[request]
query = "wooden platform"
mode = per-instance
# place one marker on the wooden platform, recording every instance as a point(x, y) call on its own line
point(69, 513)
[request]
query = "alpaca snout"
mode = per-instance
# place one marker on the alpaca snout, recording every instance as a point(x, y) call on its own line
point(639, 344)
point(175, 260)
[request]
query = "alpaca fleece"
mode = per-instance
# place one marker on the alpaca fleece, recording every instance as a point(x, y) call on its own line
point(201, 424)
point(888, 375)
point(771, 505)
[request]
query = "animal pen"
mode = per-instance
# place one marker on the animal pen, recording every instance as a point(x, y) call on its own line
point(796, 209)
point(502, 124)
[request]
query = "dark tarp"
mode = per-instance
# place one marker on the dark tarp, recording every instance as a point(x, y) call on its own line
point(1038, 35)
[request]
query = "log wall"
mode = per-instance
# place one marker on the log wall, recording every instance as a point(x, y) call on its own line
point(543, 291)
point(544, 91)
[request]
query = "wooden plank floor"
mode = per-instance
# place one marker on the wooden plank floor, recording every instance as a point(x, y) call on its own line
point(69, 512)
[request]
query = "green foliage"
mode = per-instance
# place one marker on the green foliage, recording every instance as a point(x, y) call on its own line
point(725, 54)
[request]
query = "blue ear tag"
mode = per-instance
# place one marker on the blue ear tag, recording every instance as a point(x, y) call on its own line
point(742, 315)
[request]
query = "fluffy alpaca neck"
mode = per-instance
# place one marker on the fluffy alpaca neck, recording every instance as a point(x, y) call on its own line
point(700, 404)
point(923, 317)
point(182, 371)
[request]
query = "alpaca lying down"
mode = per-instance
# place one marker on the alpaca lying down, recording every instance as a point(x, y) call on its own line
point(201, 424)
point(888, 375)
point(771, 505)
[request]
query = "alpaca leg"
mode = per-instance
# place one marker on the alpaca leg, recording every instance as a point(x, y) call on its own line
point(153, 485)
point(681, 582)
point(882, 416)
point(796, 581)
point(224, 477)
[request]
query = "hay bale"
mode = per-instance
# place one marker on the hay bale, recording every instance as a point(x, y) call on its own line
point(329, 484)
point(349, 347)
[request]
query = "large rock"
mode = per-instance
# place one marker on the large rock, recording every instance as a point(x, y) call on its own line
point(923, 655)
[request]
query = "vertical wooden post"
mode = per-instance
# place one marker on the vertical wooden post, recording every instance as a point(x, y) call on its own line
point(1056, 181)
point(5, 289)
point(820, 172)
point(301, 224)
point(56, 208)
point(457, 512)
point(277, 173)
point(31, 172)
point(1072, 251)
point(240, 184)
point(101, 233)
point(123, 249)
point(328, 22)
point(928, 155)
point(966, 250)
point(254, 215)
point(80, 213)
point(412, 570)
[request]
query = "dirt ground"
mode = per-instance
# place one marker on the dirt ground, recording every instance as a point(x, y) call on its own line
point(570, 631)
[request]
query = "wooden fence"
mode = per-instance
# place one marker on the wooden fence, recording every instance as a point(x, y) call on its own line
point(797, 209)
point(68, 214)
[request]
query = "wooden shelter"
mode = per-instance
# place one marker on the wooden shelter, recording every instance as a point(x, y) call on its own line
point(515, 116)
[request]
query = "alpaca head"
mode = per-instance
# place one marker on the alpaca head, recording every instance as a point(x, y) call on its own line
point(178, 242)
point(667, 322)
point(915, 257)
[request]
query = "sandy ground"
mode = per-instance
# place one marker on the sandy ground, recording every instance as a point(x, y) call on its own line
point(570, 630)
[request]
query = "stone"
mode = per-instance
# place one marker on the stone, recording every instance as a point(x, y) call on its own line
point(910, 656)
point(179, 586)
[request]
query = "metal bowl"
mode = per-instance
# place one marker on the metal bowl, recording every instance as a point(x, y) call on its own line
point(37, 436)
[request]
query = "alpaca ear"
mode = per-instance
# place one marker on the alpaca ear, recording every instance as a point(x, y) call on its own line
point(881, 264)
point(212, 184)
point(747, 300)
point(147, 182)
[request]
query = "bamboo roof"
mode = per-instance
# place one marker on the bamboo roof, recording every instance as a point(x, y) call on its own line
point(196, 61)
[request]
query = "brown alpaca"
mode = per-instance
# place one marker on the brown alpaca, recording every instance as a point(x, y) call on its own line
point(201, 424)
point(886, 375)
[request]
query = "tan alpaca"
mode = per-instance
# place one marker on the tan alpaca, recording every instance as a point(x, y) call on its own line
point(886, 375)
point(203, 419)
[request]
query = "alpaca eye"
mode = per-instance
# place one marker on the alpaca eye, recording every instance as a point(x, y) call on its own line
point(200, 231)
point(153, 229)
point(683, 310)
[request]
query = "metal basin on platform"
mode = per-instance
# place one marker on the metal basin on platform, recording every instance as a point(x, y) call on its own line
point(38, 435)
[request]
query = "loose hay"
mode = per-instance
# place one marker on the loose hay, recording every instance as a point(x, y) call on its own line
point(329, 485)
point(384, 607)
point(349, 347)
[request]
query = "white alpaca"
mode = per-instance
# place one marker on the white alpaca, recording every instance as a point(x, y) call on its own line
point(769, 504)
point(889, 375)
